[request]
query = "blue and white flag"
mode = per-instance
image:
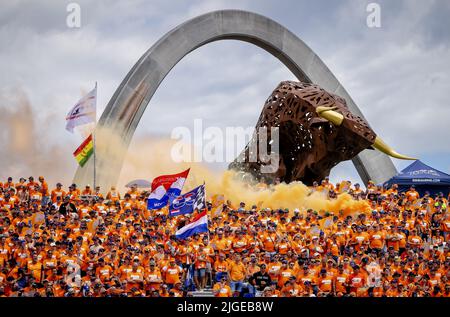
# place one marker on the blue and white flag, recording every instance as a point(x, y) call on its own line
point(198, 225)
point(189, 202)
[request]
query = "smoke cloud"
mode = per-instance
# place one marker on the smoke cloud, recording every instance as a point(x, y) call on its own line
point(25, 151)
point(150, 157)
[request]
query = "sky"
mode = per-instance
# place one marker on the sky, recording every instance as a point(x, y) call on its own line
point(398, 74)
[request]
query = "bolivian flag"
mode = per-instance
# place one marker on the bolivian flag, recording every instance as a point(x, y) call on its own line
point(84, 151)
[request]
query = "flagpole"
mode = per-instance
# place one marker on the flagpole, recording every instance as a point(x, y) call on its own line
point(95, 172)
point(93, 139)
point(207, 211)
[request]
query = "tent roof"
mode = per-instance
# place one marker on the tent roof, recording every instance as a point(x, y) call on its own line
point(420, 173)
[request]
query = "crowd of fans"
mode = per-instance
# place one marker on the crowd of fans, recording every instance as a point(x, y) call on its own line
point(79, 243)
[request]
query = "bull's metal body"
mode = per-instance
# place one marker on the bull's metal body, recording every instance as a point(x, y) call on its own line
point(309, 146)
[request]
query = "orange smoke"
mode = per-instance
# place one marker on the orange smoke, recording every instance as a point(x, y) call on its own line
point(26, 151)
point(150, 157)
point(25, 148)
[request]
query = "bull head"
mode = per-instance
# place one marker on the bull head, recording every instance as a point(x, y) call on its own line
point(316, 132)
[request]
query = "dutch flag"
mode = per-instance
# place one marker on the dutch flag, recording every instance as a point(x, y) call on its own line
point(198, 225)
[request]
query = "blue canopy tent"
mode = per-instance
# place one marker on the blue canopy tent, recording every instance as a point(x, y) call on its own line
point(423, 177)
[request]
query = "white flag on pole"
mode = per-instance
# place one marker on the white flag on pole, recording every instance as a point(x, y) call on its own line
point(83, 112)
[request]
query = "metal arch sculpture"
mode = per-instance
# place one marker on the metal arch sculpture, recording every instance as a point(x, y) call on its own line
point(129, 101)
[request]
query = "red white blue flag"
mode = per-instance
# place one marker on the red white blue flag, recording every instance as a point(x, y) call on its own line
point(165, 189)
point(198, 225)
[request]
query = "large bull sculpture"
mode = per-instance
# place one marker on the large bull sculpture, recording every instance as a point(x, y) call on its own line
point(316, 132)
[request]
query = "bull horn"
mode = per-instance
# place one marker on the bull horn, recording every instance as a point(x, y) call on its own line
point(386, 149)
point(329, 114)
point(336, 118)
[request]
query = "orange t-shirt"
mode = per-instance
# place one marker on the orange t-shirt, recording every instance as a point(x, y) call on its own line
point(172, 274)
point(222, 291)
point(325, 284)
point(237, 271)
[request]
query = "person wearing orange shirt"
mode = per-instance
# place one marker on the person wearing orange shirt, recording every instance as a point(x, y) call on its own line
point(284, 246)
point(103, 271)
point(50, 262)
point(221, 267)
point(392, 290)
point(357, 191)
point(9, 184)
point(135, 279)
point(125, 267)
point(127, 203)
point(5, 251)
point(153, 277)
point(358, 238)
point(222, 289)
point(412, 195)
point(2, 277)
point(239, 242)
point(296, 244)
point(31, 183)
point(113, 194)
point(414, 239)
point(200, 267)
point(171, 273)
point(237, 273)
point(291, 288)
point(325, 282)
point(21, 255)
point(68, 259)
point(97, 193)
point(341, 236)
point(87, 190)
point(284, 273)
point(133, 192)
point(73, 192)
point(333, 246)
point(274, 267)
point(269, 240)
point(306, 276)
point(35, 194)
point(7, 203)
point(377, 239)
point(34, 268)
point(445, 226)
point(340, 281)
point(21, 185)
point(357, 281)
point(221, 243)
point(84, 209)
point(57, 192)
